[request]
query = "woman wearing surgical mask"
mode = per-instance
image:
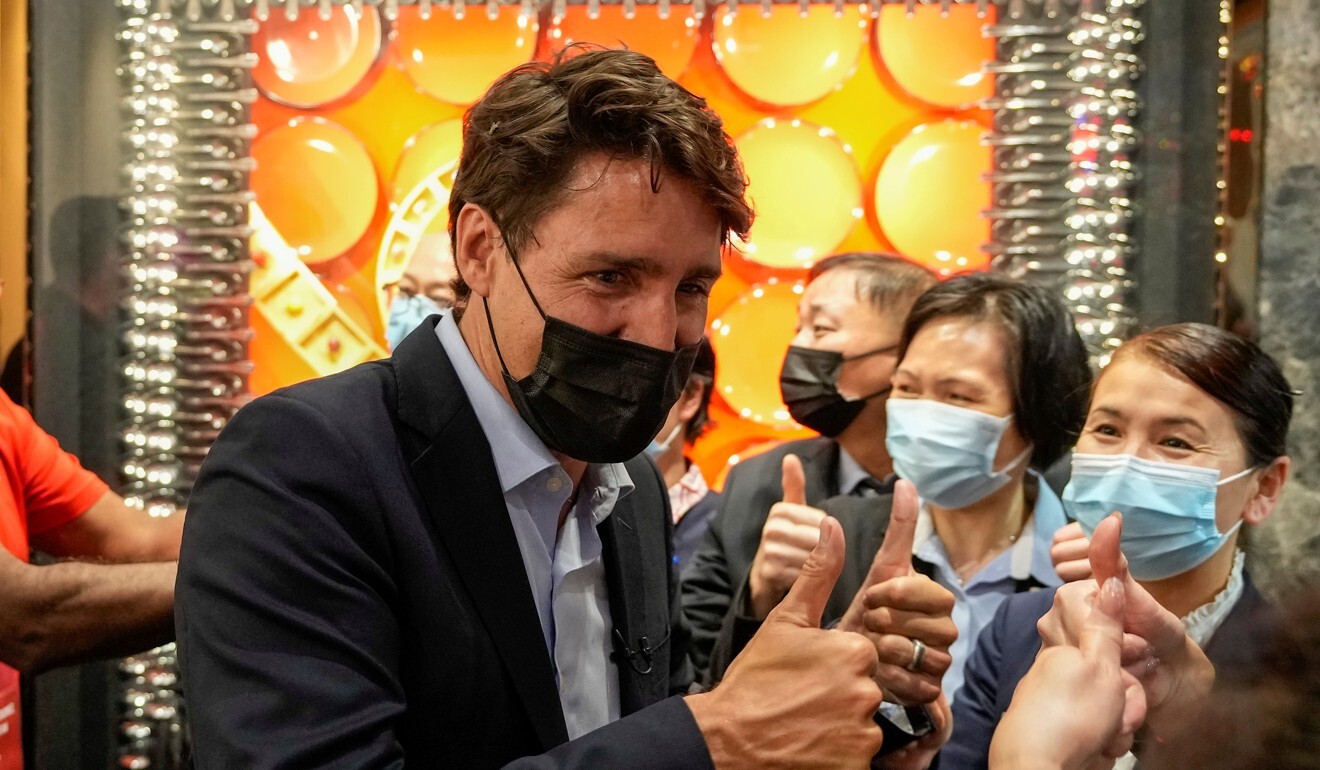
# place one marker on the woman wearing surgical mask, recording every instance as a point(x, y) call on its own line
point(1186, 439)
point(990, 389)
point(425, 288)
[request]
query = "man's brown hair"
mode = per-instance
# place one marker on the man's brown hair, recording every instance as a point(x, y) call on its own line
point(522, 140)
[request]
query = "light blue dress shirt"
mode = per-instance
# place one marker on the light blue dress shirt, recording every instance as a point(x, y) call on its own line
point(564, 566)
point(975, 602)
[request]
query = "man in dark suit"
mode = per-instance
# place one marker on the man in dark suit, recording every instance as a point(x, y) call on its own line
point(447, 558)
point(853, 309)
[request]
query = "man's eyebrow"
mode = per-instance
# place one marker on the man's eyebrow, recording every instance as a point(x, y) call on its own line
point(711, 273)
point(619, 261)
point(646, 265)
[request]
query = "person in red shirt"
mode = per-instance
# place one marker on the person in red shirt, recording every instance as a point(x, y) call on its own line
point(111, 590)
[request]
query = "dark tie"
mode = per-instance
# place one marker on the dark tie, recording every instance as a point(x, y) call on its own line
point(869, 487)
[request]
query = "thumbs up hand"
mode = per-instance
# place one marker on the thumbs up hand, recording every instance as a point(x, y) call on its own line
point(1173, 671)
point(1076, 706)
point(907, 616)
point(798, 696)
point(790, 532)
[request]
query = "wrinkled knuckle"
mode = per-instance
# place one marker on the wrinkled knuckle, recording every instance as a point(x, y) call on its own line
point(858, 649)
point(946, 633)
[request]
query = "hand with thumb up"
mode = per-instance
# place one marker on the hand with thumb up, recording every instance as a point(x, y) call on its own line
point(906, 615)
point(798, 696)
point(790, 532)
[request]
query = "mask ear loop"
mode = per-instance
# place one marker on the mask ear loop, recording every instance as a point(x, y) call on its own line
point(1016, 461)
point(669, 440)
point(513, 257)
point(1235, 476)
point(868, 354)
point(1238, 525)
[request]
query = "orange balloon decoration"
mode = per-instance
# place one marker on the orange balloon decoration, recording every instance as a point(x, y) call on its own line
point(934, 57)
point(456, 59)
point(671, 40)
point(788, 57)
point(750, 338)
point(311, 61)
point(317, 186)
point(929, 196)
point(806, 191)
point(436, 146)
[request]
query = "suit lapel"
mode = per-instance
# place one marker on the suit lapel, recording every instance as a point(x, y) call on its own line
point(626, 581)
point(456, 478)
point(820, 467)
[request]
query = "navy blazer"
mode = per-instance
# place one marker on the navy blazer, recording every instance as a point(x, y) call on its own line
point(1008, 646)
point(351, 593)
point(690, 530)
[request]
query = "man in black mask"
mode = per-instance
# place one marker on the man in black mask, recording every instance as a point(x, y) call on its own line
point(835, 380)
point(456, 556)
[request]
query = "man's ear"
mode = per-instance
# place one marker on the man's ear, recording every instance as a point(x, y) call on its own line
point(1269, 488)
point(478, 245)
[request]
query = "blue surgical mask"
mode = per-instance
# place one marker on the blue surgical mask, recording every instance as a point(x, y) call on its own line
point(1168, 509)
point(406, 312)
point(947, 452)
point(656, 449)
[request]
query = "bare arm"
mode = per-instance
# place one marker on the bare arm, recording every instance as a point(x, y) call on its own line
point(72, 611)
point(111, 531)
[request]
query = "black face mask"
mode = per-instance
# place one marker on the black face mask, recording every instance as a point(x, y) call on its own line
point(809, 383)
point(591, 397)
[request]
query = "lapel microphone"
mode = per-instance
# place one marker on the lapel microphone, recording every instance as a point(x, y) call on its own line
point(640, 659)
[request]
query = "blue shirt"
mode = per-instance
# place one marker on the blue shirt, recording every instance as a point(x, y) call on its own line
point(1028, 559)
point(565, 566)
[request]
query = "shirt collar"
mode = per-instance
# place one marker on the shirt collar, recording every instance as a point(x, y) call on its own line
point(687, 492)
point(518, 452)
point(1031, 552)
point(609, 483)
point(1029, 556)
point(853, 475)
point(1203, 621)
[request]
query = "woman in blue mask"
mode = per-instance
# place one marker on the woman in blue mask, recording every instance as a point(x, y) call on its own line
point(990, 389)
point(1186, 438)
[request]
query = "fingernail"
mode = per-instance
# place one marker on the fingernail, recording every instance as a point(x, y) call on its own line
point(826, 533)
point(1113, 588)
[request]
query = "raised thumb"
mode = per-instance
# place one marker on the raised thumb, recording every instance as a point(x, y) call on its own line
point(794, 480)
point(1101, 637)
point(1107, 559)
point(806, 600)
point(894, 559)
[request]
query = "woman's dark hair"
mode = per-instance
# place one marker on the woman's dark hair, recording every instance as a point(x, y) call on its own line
point(1047, 367)
point(525, 136)
point(1232, 370)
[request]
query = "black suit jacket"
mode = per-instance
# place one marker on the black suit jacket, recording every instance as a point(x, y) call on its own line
point(351, 593)
point(715, 584)
point(1008, 646)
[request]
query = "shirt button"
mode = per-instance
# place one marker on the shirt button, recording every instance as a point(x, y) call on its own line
point(554, 484)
